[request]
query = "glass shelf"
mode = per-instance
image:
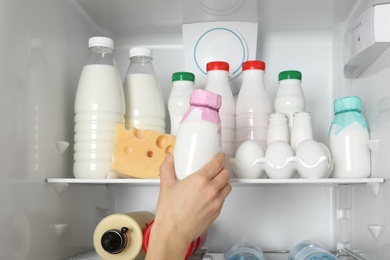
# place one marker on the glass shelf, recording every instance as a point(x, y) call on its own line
point(129, 181)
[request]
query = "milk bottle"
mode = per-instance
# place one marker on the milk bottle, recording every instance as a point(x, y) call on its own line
point(198, 137)
point(253, 106)
point(348, 140)
point(145, 108)
point(218, 82)
point(179, 98)
point(99, 106)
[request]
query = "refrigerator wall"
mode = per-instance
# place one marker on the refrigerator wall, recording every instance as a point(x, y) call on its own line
point(43, 49)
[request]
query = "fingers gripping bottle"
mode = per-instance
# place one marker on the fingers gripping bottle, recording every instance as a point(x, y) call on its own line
point(99, 106)
point(218, 82)
point(198, 137)
point(145, 108)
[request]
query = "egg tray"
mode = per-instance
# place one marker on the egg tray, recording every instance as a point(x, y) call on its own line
point(311, 160)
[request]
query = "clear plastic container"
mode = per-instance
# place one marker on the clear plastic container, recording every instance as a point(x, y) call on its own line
point(244, 251)
point(310, 250)
point(145, 108)
point(99, 106)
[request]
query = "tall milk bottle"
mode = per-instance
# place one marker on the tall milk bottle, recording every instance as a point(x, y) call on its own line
point(289, 96)
point(179, 98)
point(145, 108)
point(348, 140)
point(218, 82)
point(198, 137)
point(99, 106)
point(253, 107)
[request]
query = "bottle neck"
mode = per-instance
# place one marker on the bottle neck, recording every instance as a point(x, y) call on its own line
point(101, 55)
point(348, 110)
point(141, 65)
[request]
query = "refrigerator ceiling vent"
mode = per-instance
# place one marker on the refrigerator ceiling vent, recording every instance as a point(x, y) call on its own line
point(366, 39)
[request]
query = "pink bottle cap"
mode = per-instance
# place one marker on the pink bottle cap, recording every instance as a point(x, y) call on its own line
point(206, 98)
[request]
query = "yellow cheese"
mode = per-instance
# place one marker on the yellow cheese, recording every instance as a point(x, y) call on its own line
point(139, 153)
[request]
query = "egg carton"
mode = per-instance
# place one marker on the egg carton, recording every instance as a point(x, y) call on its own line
point(311, 160)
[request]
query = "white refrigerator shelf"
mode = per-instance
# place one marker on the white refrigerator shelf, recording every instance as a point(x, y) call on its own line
point(232, 181)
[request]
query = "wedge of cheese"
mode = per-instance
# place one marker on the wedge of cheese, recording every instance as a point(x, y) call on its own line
point(139, 153)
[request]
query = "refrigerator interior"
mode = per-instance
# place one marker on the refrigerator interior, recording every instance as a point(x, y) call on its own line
point(43, 49)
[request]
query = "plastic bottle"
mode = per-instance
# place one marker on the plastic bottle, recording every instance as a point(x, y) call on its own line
point(99, 106)
point(244, 251)
point(198, 137)
point(179, 98)
point(310, 250)
point(301, 130)
point(218, 82)
point(348, 137)
point(144, 101)
point(120, 236)
point(278, 128)
point(192, 248)
point(253, 106)
point(289, 97)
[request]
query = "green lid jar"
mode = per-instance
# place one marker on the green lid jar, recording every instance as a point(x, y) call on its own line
point(179, 76)
point(290, 74)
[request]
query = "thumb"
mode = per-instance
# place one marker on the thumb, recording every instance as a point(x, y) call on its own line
point(167, 171)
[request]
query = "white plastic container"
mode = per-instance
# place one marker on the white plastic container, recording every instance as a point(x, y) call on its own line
point(253, 106)
point(278, 128)
point(179, 98)
point(218, 82)
point(301, 130)
point(290, 97)
point(99, 106)
point(198, 137)
point(145, 108)
point(348, 137)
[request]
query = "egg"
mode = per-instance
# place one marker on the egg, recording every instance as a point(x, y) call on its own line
point(313, 160)
point(310, 151)
point(279, 164)
point(278, 152)
point(246, 164)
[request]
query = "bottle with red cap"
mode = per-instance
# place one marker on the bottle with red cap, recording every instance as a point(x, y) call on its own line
point(253, 107)
point(218, 82)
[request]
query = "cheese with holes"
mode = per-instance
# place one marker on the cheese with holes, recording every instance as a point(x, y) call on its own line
point(139, 153)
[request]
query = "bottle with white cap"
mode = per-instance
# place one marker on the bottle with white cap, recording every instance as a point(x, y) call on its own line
point(145, 108)
point(218, 82)
point(179, 98)
point(253, 106)
point(99, 106)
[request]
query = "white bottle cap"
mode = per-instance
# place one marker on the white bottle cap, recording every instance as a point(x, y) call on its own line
point(101, 41)
point(140, 51)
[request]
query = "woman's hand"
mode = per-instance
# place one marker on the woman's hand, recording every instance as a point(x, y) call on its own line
point(186, 208)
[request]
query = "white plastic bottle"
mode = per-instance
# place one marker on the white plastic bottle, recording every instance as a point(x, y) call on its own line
point(289, 96)
point(253, 106)
point(179, 98)
point(278, 128)
point(99, 106)
point(198, 137)
point(145, 108)
point(301, 130)
point(348, 140)
point(218, 82)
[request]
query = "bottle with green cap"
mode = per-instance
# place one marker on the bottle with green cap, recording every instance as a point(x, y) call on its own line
point(348, 139)
point(289, 97)
point(179, 98)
